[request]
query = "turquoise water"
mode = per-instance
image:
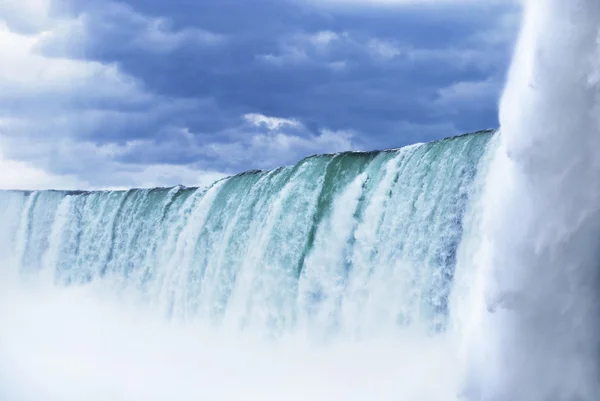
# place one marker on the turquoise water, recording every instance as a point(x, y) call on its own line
point(344, 243)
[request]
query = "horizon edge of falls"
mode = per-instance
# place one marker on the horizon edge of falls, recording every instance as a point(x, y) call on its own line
point(486, 131)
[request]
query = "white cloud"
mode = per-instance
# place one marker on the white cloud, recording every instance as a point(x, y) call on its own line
point(302, 48)
point(126, 28)
point(383, 49)
point(318, 48)
point(87, 165)
point(282, 142)
point(157, 37)
point(266, 151)
point(258, 142)
point(24, 72)
point(271, 123)
point(21, 175)
point(151, 33)
point(50, 105)
point(44, 96)
point(322, 38)
point(26, 15)
point(281, 148)
point(337, 50)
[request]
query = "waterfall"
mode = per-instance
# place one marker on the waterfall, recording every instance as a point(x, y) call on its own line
point(350, 248)
point(462, 269)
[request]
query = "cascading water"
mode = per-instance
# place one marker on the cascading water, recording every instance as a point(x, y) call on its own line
point(349, 257)
point(351, 276)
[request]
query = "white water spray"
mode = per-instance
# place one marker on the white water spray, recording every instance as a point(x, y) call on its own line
point(327, 280)
point(538, 305)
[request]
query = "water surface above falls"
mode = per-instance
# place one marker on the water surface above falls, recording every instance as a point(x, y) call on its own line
point(355, 243)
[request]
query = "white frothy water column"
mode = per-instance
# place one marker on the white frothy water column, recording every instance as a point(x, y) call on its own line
point(536, 335)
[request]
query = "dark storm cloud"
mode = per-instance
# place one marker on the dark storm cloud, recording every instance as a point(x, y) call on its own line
point(363, 77)
point(264, 59)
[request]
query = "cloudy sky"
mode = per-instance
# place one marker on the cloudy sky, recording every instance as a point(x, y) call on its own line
point(98, 93)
